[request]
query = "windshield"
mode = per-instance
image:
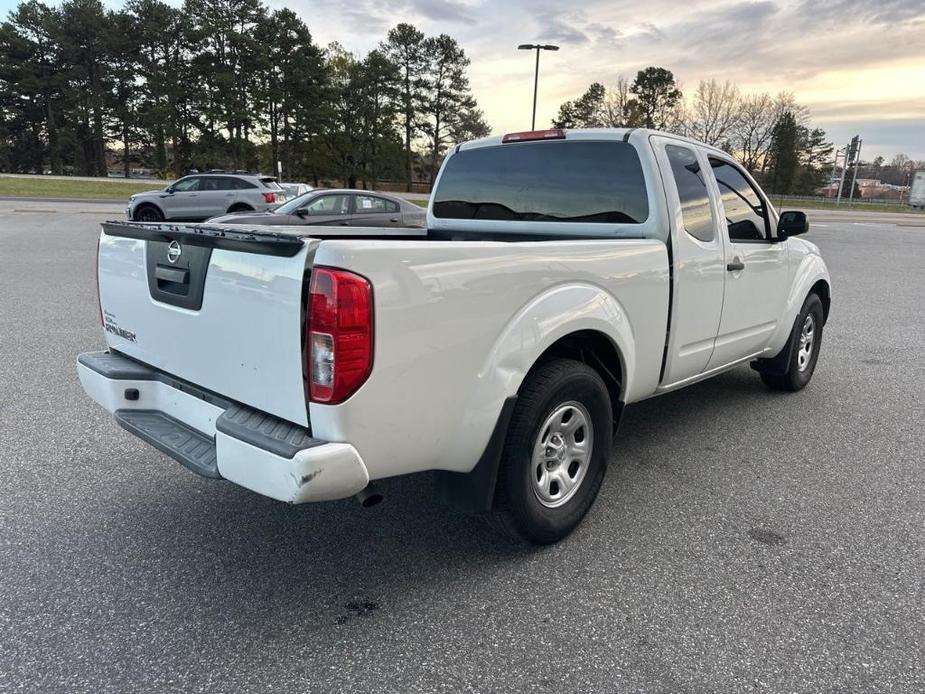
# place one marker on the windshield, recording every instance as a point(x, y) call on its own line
point(291, 206)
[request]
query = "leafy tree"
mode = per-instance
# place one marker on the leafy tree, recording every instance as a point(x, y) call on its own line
point(32, 88)
point(600, 107)
point(124, 99)
point(83, 35)
point(225, 65)
point(379, 82)
point(448, 100)
point(784, 158)
point(405, 47)
point(290, 83)
point(222, 83)
point(815, 157)
point(657, 95)
point(587, 111)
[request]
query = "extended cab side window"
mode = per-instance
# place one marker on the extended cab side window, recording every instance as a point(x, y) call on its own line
point(746, 214)
point(696, 212)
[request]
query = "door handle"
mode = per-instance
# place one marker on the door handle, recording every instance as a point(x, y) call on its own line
point(345, 224)
point(394, 220)
point(735, 265)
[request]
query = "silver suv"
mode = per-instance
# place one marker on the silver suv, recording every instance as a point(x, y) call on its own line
point(200, 196)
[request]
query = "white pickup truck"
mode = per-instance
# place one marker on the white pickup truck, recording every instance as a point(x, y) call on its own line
point(561, 276)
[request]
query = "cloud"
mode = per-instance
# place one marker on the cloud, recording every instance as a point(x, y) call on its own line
point(560, 31)
point(444, 11)
point(649, 31)
point(881, 12)
point(603, 33)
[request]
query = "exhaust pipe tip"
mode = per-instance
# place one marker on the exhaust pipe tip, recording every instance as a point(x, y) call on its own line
point(369, 497)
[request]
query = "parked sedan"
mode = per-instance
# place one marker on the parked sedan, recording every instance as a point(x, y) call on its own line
point(337, 207)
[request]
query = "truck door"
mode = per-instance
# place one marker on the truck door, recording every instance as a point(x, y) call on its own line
point(697, 258)
point(756, 277)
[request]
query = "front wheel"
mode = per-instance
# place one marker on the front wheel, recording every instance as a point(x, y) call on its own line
point(804, 344)
point(556, 452)
point(148, 213)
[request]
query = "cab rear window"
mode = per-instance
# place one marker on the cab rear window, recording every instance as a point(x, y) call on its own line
point(563, 181)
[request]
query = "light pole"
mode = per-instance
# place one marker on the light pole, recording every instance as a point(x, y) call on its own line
point(536, 75)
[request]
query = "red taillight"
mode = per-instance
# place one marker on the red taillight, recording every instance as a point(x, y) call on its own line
point(528, 135)
point(338, 334)
point(269, 197)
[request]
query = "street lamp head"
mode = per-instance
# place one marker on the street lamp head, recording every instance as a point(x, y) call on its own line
point(538, 46)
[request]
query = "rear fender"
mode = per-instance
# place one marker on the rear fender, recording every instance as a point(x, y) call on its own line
point(557, 313)
point(554, 314)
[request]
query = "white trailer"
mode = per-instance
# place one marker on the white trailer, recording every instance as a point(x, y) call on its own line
point(917, 192)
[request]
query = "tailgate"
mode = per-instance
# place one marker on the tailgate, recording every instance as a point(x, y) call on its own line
point(218, 307)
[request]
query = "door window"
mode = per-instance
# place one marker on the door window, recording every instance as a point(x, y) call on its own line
point(214, 183)
point(696, 212)
point(327, 205)
point(746, 215)
point(370, 204)
point(186, 185)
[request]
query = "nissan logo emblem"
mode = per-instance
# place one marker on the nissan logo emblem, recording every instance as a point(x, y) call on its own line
point(174, 251)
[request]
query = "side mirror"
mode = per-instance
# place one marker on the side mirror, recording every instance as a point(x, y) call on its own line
point(792, 223)
point(301, 212)
point(169, 190)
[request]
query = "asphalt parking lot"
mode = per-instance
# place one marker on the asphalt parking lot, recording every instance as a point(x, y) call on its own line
point(743, 541)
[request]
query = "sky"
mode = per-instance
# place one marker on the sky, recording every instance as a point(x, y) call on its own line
point(859, 65)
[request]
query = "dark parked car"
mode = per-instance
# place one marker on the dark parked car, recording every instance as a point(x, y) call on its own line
point(336, 207)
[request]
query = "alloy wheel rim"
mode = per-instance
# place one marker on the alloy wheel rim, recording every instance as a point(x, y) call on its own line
point(807, 342)
point(561, 454)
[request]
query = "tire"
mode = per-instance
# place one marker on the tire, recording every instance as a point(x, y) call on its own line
point(148, 213)
point(543, 493)
point(240, 207)
point(799, 368)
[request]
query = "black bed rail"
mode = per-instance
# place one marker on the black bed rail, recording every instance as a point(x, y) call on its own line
point(238, 238)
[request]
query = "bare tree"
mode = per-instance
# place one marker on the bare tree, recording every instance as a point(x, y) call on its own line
point(753, 132)
point(715, 112)
point(619, 109)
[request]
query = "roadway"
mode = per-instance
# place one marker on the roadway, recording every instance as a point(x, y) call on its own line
point(743, 540)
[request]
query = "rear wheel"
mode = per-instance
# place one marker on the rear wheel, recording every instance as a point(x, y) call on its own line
point(804, 344)
point(556, 452)
point(240, 207)
point(148, 213)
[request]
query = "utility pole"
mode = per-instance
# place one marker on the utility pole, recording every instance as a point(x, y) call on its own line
point(851, 152)
point(536, 75)
point(844, 172)
point(854, 177)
